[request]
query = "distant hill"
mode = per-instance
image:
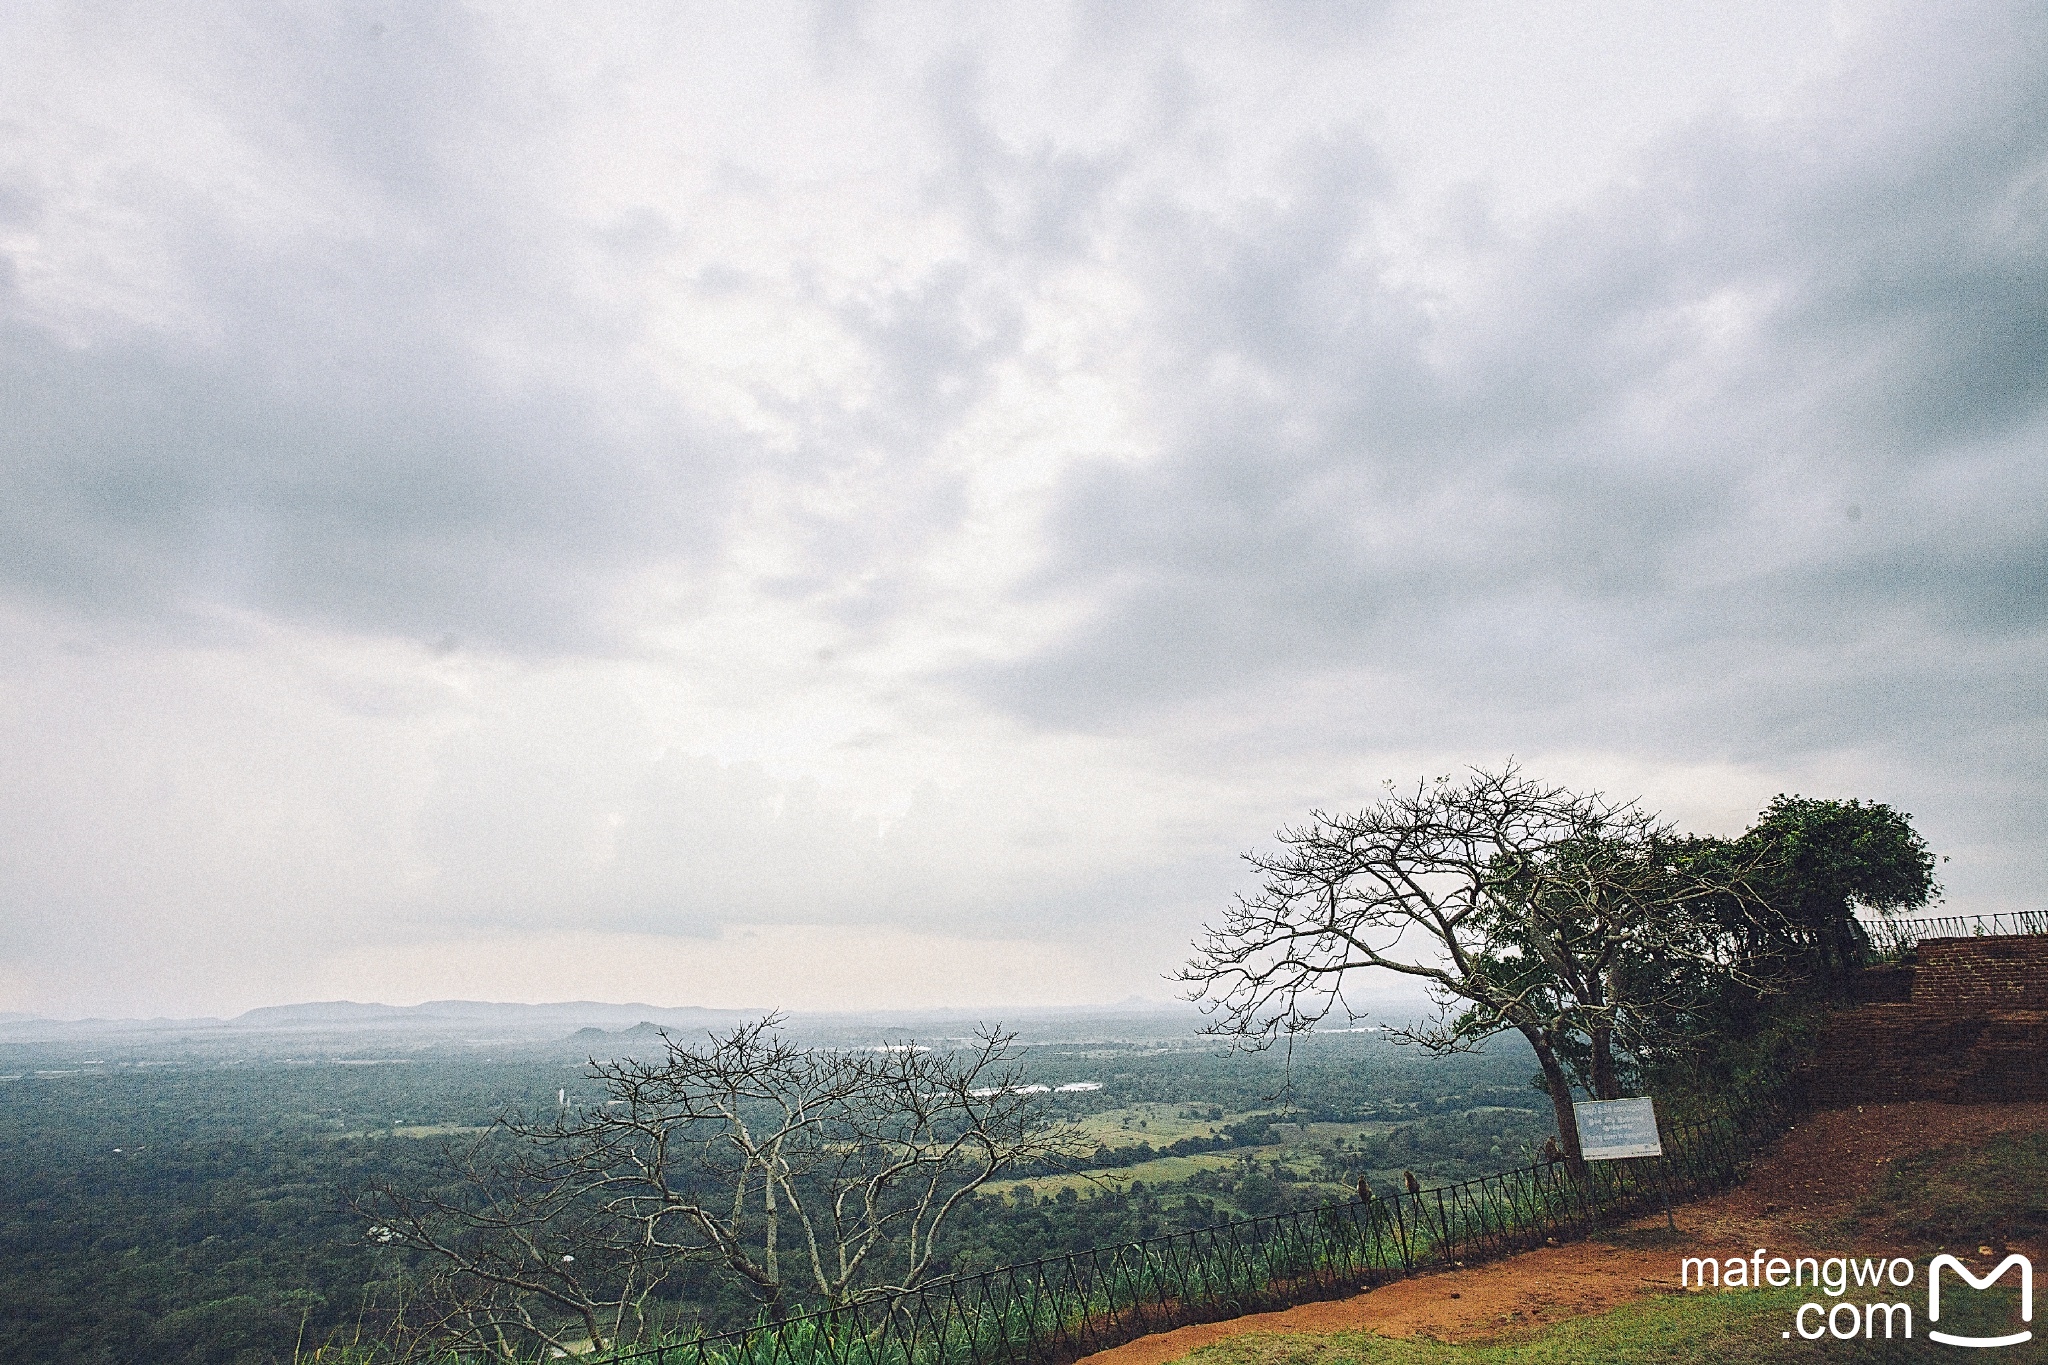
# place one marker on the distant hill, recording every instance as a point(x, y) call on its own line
point(602, 1041)
point(323, 1012)
point(295, 1026)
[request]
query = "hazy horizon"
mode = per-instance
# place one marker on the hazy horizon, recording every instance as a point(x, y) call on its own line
point(857, 507)
point(1129, 1003)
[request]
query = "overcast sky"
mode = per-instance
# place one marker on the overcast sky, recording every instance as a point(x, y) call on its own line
point(851, 505)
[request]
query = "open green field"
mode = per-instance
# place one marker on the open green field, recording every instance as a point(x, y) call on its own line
point(1325, 1134)
point(1164, 1124)
point(430, 1130)
point(1674, 1329)
point(1304, 1153)
point(1158, 1124)
point(1157, 1174)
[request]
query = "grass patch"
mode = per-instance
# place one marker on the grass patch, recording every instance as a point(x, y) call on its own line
point(1162, 1171)
point(1165, 1124)
point(1304, 1155)
point(1330, 1133)
point(1645, 1238)
point(1675, 1329)
point(1967, 1193)
point(1158, 1124)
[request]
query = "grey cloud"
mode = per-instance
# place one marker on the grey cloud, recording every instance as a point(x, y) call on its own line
point(334, 439)
point(1423, 477)
point(603, 836)
point(1408, 471)
point(144, 479)
point(1037, 202)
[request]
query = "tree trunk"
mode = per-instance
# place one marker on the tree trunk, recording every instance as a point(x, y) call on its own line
point(1560, 1087)
point(768, 1203)
point(592, 1330)
point(1605, 1087)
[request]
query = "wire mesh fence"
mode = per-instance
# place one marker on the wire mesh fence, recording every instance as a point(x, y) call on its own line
point(1055, 1311)
point(1893, 936)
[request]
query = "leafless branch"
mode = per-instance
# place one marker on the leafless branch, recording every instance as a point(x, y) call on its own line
point(825, 1174)
point(1519, 905)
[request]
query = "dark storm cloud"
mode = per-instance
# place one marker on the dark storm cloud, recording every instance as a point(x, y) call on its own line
point(1786, 386)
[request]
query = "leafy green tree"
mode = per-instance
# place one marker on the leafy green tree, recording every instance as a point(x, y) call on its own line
point(1820, 861)
point(1617, 932)
point(1811, 865)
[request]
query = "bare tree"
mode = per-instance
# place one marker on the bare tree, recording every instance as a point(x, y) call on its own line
point(514, 1251)
point(1520, 905)
point(846, 1163)
point(812, 1175)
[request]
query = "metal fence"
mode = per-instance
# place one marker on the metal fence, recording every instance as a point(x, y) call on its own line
point(1055, 1311)
point(1894, 936)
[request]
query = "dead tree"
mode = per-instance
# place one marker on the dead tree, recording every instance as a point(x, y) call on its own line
point(836, 1170)
point(815, 1176)
point(513, 1252)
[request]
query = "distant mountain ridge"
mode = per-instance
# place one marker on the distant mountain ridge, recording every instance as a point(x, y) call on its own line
point(480, 1012)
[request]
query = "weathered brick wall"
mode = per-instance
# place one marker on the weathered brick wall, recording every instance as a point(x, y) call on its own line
point(1968, 1024)
point(1891, 1052)
point(1978, 975)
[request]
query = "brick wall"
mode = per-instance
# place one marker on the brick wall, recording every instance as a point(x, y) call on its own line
point(1967, 1024)
point(1978, 975)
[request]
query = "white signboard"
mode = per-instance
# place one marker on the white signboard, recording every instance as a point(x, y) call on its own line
point(1610, 1130)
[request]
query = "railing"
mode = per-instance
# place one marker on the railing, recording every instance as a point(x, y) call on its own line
point(1894, 936)
point(1055, 1311)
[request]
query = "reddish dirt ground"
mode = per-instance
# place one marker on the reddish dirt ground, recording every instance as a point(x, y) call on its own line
point(1798, 1199)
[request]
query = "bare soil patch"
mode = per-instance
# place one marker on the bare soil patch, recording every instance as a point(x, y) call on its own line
point(1803, 1196)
